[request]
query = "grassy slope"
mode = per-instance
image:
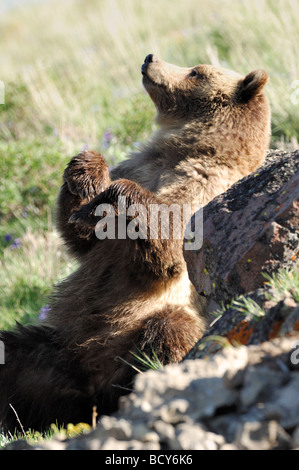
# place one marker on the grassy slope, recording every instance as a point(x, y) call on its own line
point(71, 76)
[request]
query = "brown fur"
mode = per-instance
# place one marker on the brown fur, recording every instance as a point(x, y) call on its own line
point(214, 129)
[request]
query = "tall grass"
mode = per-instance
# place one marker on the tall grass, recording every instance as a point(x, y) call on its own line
point(28, 271)
point(72, 65)
point(71, 72)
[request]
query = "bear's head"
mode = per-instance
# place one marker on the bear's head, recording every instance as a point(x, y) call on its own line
point(202, 93)
point(210, 112)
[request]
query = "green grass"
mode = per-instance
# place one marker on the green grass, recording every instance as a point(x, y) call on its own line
point(71, 72)
point(31, 256)
point(27, 275)
point(56, 432)
point(31, 172)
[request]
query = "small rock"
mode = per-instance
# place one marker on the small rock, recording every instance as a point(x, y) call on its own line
point(227, 446)
point(165, 431)
point(150, 437)
point(194, 437)
point(258, 380)
point(262, 436)
point(120, 429)
point(287, 400)
point(295, 438)
point(114, 444)
point(139, 430)
point(18, 445)
point(225, 425)
point(174, 411)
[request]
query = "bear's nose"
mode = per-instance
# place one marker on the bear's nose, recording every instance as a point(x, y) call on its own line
point(149, 58)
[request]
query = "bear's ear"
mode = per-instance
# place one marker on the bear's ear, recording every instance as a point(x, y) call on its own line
point(252, 85)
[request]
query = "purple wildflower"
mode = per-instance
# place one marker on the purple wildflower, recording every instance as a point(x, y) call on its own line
point(85, 147)
point(7, 238)
point(16, 244)
point(107, 138)
point(44, 312)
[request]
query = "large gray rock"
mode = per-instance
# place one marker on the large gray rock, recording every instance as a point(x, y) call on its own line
point(251, 229)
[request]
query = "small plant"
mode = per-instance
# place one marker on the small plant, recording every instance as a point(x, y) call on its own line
point(248, 306)
point(147, 362)
point(284, 283)
point(220, 340)
point(143, 361)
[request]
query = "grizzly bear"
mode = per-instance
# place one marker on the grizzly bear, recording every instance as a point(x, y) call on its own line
point(131, 294)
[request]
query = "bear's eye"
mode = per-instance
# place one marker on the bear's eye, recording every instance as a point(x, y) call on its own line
point(194, 73)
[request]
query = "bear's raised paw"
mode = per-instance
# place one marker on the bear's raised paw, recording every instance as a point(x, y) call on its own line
point(87, 174)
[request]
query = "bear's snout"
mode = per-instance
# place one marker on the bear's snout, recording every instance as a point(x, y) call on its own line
point(149, 58)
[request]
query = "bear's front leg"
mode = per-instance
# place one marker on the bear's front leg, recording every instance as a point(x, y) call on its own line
point(86, 176)
point(120, 195)
point(139, 222)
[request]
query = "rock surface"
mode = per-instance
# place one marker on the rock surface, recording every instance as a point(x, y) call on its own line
point(251, 319)
point(251, 229)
